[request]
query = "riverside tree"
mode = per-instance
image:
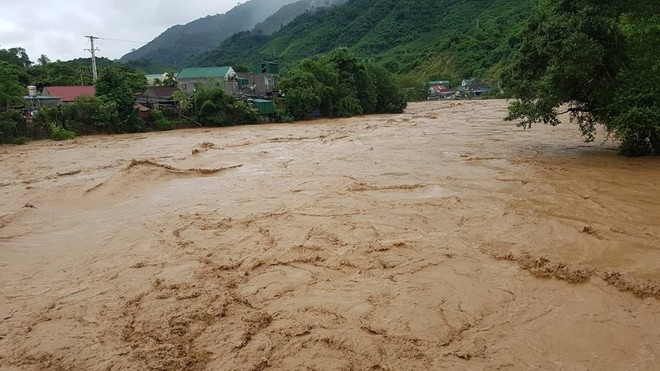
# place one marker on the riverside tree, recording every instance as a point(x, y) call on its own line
point(598, 58)
point(118, 84)
point(340, 85)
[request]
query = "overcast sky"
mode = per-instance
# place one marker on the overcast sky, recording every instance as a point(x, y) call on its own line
point(56, 27)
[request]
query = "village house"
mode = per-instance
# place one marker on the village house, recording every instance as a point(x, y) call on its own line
point(68, 94)
point(261, 81)
point(157, 97)
point(473, 87)
point(190, 78)
point(440, 90)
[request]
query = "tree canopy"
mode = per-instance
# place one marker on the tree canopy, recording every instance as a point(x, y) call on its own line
point(599, 59)
point(340, 84)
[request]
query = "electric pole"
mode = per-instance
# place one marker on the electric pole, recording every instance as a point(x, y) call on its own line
point(92, 50)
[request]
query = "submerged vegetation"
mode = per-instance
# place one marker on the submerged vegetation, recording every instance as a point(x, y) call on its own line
point(599, 58)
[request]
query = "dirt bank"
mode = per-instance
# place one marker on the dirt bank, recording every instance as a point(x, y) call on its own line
point(439, 238)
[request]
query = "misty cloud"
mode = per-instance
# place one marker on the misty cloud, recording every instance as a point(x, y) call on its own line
point(56, 28)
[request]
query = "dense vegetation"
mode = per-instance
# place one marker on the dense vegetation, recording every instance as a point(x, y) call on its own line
point(174, 46)
point(416, 39)
point(290, 12)
point(339, 84)
point(599, 58)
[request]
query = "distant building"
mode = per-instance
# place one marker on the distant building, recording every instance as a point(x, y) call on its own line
point(473, 87)
point(260, 82)
point(440, 90)
point(190, 78)
point(68, 94)
point(157, 97)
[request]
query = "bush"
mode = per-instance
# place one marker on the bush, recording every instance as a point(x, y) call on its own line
point(59, 133)
point(282, 116)
point(215, 108)
point(12, 126)
point(159, 120)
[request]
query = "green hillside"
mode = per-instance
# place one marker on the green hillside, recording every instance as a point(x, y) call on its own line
point(421, 39)
point(290, 12)
point(178, 43)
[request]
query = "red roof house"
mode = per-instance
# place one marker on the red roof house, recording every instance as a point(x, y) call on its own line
point(68, 94)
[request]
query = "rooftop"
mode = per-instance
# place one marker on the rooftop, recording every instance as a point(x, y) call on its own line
point(205, 72)
point(69, 93)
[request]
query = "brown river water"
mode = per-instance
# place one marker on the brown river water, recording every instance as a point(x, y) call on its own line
point(441, 238)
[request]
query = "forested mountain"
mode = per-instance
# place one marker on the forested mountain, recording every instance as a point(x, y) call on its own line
point(425, 38)
point(290, 12)
point(179, 42)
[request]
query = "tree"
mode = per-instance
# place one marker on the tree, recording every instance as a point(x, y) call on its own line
point(170, 80)
point(600, 59)
point(43, 60)
point(303, 93)
point(182, 102)
point(119, 83)
point(11, 89)
point(339, 84)
point(15, 56)
point(212, 106)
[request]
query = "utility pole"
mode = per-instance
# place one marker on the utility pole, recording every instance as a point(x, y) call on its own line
point(92, 50)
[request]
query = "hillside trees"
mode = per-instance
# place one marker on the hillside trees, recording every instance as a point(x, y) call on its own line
point(601, 59)
point(339, 84)
point(414, 39)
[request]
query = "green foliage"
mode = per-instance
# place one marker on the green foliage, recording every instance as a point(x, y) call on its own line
point(421, 38)
point(59, 133)
point(119, 83)
point(170, 80)
point(303, 93)
point(12, 124)
point(159, 120)
point(15, 56)
point(86, 115)
point(339, 84)
point(11, 89)
point(213, 107)
point(591, 56)
point(182, 102)
point(282, 116)
point(289, 12)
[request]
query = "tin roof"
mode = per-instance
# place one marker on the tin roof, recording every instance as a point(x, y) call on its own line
point(69, 93)
point(205, 72)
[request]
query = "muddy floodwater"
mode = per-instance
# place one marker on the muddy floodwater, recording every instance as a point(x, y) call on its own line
point(440, 238)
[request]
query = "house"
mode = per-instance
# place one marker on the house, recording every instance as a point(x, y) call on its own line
point(473, 87)
point(68, 94)
point(261, 81)
point(440, 90)
point(157, 97)
point(190, 78)
point(265, 76)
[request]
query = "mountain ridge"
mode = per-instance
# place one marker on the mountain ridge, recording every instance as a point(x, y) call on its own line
point(176, 44)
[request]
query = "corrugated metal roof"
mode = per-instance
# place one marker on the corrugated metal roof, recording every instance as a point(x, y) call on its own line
point(69, 93)
point(204, 72)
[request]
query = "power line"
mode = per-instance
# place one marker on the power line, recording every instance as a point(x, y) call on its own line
point(124, 41)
